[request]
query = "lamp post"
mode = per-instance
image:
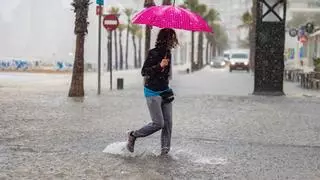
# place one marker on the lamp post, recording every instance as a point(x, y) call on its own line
point(270, 42)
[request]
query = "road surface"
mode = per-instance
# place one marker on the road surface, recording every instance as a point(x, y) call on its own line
point(220, 131)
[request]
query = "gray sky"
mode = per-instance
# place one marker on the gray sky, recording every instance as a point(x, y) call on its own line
point(40, 33)
point(49, 36)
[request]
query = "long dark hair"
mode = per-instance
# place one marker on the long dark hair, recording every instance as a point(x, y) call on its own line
point(167, 39)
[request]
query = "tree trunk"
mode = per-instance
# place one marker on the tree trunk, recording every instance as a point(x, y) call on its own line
point(127, 44)
point(210, 52)
point(166, 2)
point(214, 49)
point(81, 9)
point(147, 40)
point(135, 51)
point(76, 88)
point(207, 52)
point(147, 4)
point(253, 34)
point(121, 50)
point(200, 50)
point(116, 48)
point(192, 52)
point(139, 55)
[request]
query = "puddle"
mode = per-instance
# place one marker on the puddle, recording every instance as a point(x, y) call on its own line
point(197, 158)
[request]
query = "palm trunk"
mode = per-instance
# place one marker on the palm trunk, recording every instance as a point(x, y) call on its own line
point(207, 52)
point(252, 32)
point(192, 52)
point(76, 88)
point(147, 4)
point(147, 40)
point(135, 50)
point(139, 55)
point(166, 2)
point(214, 49)
point(116, 48)
point(200, 50)
point(210, 52)
point(81, 8)
point(121, 50)
point(127, 44)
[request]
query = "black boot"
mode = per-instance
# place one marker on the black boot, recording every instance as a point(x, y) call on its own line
point(131, 141)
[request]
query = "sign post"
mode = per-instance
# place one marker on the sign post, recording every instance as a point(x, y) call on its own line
point(110, 22)
point(99, 12)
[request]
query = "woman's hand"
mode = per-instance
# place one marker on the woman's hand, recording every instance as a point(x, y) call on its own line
point(164, 63)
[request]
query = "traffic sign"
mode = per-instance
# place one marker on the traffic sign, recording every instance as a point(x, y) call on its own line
point(100, 2)
point(303, 39)
point(110, 22)
point(99, 10)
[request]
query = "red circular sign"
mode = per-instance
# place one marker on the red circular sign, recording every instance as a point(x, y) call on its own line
point(110, 22)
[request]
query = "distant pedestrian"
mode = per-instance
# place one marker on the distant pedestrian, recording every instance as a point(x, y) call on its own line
point(156, 71)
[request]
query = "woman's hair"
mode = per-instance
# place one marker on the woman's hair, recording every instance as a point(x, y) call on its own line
point(167, 38)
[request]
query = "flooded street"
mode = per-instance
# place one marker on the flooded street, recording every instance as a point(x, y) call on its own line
point(219, 130)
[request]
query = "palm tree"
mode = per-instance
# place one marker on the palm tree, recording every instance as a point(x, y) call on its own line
point(247, 20)
point(211, 16)
point(134, 30)
point(147, 4)
point(140, 35)
point(81, 8)
point(115, 10)
point(247, 23)
point(192, 5)
point(218, 41)
point(121, 28)
point(221, 39)
point(128, 12)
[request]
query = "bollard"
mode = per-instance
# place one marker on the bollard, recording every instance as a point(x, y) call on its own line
point(120, 83)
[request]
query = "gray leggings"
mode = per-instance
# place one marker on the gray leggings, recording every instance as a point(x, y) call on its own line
point(161, 115)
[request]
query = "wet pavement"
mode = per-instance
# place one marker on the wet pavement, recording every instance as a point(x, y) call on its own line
point(219, 131)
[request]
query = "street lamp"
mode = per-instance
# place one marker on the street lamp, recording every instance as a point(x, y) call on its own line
point(270, 44)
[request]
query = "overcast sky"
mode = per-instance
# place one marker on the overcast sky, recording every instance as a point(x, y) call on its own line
point(49, 36)
point(8, 5)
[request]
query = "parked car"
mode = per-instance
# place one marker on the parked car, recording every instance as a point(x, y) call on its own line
point(218, 62)
point(226, 56)
point(239, 61)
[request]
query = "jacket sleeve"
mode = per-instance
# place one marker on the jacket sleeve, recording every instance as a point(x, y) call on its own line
point(150, 66)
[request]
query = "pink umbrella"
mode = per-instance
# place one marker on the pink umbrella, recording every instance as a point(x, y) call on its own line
point(171, 17)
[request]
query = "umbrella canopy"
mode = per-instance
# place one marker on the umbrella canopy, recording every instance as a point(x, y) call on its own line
point(171, 17)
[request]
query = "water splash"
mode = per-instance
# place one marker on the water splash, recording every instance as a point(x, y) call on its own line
point(119, 148)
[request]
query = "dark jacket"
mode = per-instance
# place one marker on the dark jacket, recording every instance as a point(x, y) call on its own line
point(155, 78)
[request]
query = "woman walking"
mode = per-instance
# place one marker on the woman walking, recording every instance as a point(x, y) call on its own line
point(156, 71)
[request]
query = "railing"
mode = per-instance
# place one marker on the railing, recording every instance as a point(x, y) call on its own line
point(310, 80)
